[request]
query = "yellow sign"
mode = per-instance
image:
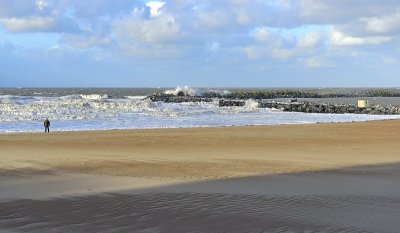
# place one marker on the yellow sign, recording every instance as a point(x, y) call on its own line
point(362, 103)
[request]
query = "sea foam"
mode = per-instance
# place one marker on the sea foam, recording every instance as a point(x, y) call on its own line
point(98, 111)
point(184, 90)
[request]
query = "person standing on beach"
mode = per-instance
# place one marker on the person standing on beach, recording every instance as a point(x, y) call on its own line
point(47, 126)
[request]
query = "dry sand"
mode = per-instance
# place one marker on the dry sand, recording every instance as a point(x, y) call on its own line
point(289, 178)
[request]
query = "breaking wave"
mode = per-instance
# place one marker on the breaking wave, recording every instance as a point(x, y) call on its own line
point(251, 104)
point(98, 111)
point(94, 97)
point(80, 107)
point(183, 91)
point(136, 97)
point(72, 107)
point(188, 91)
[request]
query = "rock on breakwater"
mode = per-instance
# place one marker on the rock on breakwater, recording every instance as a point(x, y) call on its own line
point(310, 107)
point(290, 106)
point(231, 103)
point(178, 99)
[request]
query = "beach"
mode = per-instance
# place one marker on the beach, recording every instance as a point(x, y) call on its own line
point(329, 177)
point(190, 116)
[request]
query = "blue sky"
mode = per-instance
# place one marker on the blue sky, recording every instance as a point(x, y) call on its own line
point(202, 43)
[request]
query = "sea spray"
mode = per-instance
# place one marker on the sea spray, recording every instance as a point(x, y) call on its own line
point(100, 109)
point(251, 104)
point(181, 91)
point(94, 97)
point(67, 108)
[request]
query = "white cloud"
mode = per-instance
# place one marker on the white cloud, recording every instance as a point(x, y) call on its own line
point(155, 7)
point(339, 39)
point(41, 4)
point(282, 46)
point(261, 34)
point(156, 37)
point(254, 52)
point(17, 8)
point(385, 24)
point(281, 30)
point(309, 40)
point(213, 21)
point(261, 52)
point(282, 53)
point(84, 42)
point(343, 11)
point(95, 9)
point(162, 29)
point(243, 17)
point(28, 24)
point(195, 33)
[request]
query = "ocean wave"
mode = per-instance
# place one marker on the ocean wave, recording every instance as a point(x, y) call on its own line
point(136, 97)
point(210, 109)
point(251, 104)
point(82, 96)
point(63, 108)
point(73, 107)
point(183, 91)
point(94, 96)
point(72, 112)
point(188, 91)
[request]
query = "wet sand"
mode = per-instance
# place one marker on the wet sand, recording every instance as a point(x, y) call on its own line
point(289, 178)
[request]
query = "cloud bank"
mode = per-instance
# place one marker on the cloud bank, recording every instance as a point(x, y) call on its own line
point(305, 34)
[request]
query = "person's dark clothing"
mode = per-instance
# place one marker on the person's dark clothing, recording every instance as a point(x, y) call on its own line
point(47, 126)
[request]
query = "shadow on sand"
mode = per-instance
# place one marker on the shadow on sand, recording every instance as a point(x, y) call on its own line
point(353, 199)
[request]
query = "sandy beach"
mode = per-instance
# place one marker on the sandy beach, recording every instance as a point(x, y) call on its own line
point(341, 177)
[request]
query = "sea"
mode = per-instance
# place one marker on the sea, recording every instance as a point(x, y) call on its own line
point(84, 109)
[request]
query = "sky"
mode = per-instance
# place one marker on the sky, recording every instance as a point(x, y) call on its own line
point(200, 43)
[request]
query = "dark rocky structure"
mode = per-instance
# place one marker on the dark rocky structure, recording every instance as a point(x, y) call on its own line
point(310, 107)
point(289, 106)
point(231, 103)
point(178, 99)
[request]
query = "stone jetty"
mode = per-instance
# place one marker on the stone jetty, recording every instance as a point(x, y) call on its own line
point(178, 99)
point(311, 107)
point(289, 106)
point(231, 103)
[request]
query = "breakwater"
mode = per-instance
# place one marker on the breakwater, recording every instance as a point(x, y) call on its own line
point(311, 107)
point(289, 106)
point(178, 99)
